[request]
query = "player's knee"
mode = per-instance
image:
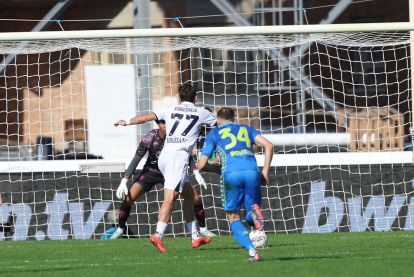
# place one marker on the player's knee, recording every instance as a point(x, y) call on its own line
point(170, 197)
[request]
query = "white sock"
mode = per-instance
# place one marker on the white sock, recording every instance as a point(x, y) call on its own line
point(161, 227)
point(193, 229)
point(252, 252)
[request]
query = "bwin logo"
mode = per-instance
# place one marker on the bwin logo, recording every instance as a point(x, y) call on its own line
point(358, 217)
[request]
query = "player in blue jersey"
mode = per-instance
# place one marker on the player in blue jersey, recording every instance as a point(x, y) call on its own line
point(241, 179)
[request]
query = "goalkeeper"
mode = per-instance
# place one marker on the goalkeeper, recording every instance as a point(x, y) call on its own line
point(152, 142)
point(240, 173)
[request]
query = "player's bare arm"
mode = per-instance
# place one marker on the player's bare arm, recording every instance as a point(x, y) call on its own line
point(202, 162)
point(139, 119)
point(261, 141)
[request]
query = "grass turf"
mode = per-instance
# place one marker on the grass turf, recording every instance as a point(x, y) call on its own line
point(336, 254)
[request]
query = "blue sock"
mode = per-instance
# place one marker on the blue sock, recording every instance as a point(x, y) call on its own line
point(249, 218)
point(241, 235)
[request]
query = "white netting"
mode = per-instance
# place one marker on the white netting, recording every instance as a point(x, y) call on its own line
point(231, 42)
point(336, 106)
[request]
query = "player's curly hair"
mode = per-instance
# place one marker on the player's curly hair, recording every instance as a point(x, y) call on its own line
point(226, 113)
point(187, 93)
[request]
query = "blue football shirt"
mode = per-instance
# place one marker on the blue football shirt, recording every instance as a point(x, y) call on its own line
point(233, 143)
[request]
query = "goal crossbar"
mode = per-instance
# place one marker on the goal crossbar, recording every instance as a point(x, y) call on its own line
point(209, 31)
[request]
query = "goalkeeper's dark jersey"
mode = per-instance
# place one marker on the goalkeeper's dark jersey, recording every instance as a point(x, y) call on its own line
point(153, 144)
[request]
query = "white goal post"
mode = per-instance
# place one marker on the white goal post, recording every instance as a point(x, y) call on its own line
point(335, 100)
point(210, 31)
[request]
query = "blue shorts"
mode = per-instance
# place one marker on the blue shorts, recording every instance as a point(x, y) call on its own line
point(241, 187)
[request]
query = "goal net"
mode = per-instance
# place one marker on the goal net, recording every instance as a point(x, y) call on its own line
point(337, 107)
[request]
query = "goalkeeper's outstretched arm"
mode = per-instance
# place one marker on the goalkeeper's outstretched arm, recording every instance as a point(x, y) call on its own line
point(132, 165)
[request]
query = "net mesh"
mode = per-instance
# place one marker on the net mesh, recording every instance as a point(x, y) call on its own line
point(337, 107)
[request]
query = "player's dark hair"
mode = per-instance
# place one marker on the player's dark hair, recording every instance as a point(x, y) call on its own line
point(187, 93)
point(161, 121)
point(226, 113)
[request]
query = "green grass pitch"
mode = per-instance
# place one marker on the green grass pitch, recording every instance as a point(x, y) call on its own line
point(336, 254)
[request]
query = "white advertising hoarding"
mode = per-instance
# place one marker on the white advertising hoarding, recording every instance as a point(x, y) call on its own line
point(110, 96)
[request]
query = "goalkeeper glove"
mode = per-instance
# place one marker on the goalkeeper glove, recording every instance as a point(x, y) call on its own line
point(122, 190)
point(199, 178)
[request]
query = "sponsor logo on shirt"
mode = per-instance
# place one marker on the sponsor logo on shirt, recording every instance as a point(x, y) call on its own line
point(244, 152)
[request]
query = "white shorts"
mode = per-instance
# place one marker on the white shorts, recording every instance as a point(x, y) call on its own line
point(174, 166)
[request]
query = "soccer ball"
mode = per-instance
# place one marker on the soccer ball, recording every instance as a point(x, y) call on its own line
point(258, 238)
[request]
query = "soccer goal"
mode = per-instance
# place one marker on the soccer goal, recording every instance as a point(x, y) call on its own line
point(335, 100)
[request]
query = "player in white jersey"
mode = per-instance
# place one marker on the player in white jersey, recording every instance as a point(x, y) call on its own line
point(183, 123)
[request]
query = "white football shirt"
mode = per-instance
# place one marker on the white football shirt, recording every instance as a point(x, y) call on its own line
point(183, 123)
